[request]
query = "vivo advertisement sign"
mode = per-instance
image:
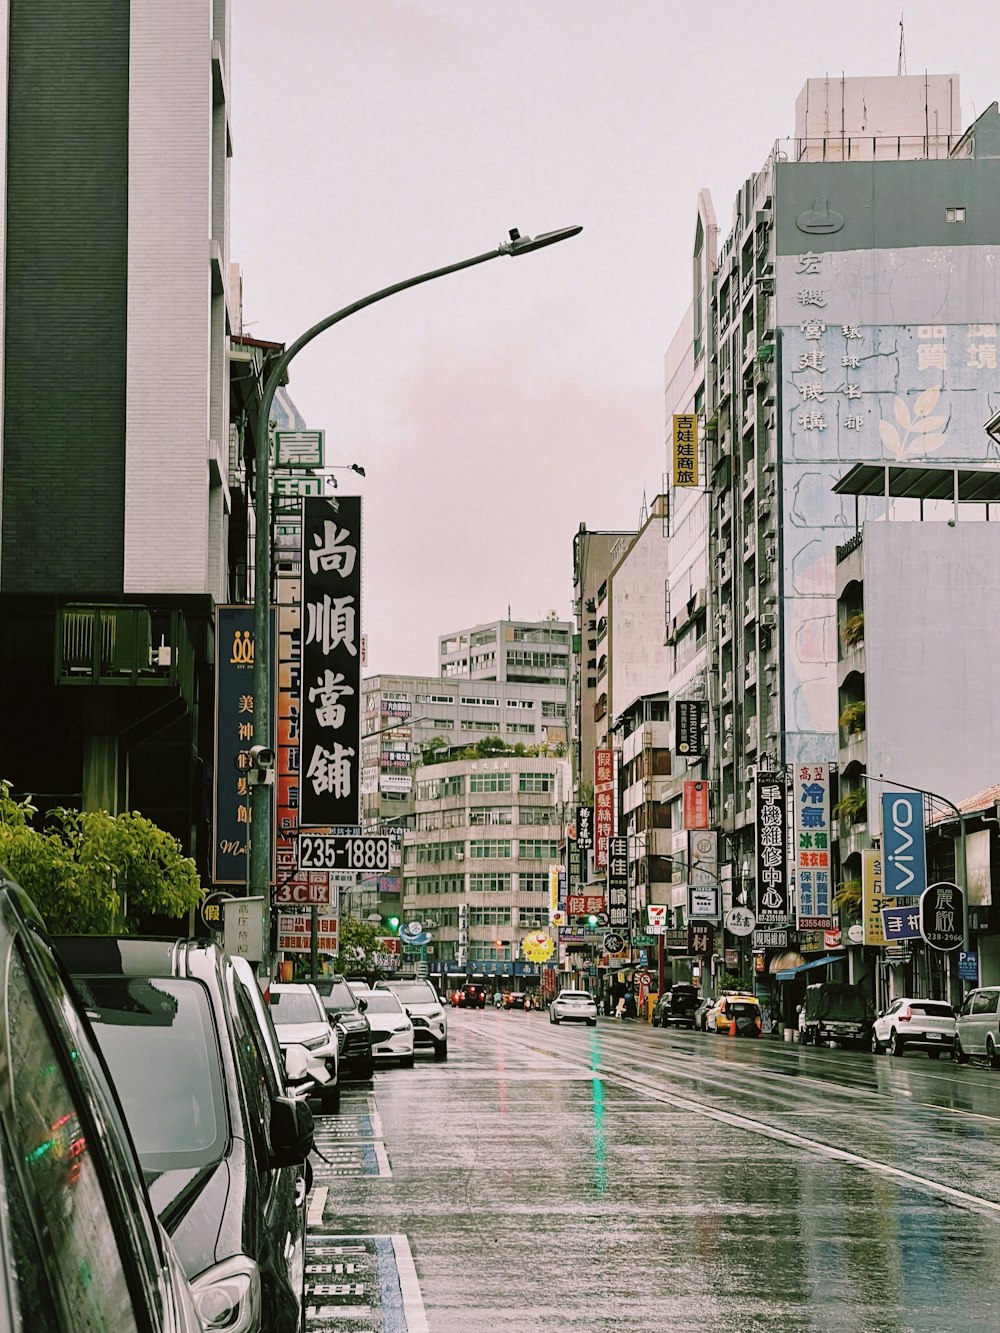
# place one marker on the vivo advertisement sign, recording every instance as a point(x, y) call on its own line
point(904, 867)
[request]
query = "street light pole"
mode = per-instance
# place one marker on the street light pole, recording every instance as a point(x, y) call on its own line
point(259, 858)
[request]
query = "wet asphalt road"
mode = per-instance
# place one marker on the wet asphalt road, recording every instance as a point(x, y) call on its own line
point(556, 1178)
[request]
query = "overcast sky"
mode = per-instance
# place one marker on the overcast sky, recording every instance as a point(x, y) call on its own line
point(497, 409)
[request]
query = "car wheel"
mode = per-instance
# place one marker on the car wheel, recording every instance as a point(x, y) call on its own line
point(592, 1022)
point(553, 1019)
point(366, 1069)
point(329, 1102)
point(960, 1056)
point(991, 1054)
point(876, 1045)
point(406, 1061)
point(933, 1055)
point(441, 1051)
point(895, 1044)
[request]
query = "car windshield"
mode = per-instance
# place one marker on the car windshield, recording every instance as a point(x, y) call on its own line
point(159, 1039)
point(937, 1009)
point(295, 1006)
point(337, 995)
point(413, 992)
point(574, 995)
point(383, 1002)
point(742, 1009)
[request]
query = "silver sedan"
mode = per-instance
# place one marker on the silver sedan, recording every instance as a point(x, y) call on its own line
point(573, 1006)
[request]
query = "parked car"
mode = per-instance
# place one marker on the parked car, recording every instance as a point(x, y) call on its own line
point(926, 1025)
point(222, 1145)
point(977, 1028)
point(301, 1020)
point(80, 1245)
point(358, 986)
point(425, 1011)
point(678, 1005)
point(574, 1006)
point(345, 1007)
point(702, 1012)
point(836, 1011)
point(742, 1011)
point(469, 997)
point(392, 1031)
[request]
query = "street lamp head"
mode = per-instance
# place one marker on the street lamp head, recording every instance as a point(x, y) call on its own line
point(356, 467)
point(520, 245)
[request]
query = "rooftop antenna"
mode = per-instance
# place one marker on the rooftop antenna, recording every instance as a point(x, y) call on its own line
point(901, 62)
point(643, 510)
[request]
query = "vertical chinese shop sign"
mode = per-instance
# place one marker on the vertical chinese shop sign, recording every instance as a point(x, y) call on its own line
point(234, 652)
point(811, 809)
point(604, 805)
point(330, 716)
point(772, 850)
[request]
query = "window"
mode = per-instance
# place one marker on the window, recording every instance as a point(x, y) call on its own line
point(531, 881)
point(479, 724)
point(427, 885)
point(438, 851)
point(50, 1134)
point(520, 703)
point(489, 916)
point(536, 814)
point(538, 849)
point(520, 728)
point(954, 215)
point(484, 636)
point(491, 814)
point(489, 883)
point(484, 849)
point(453, 786)
point(483, 951)
point(475, 701)
point(480, 782)
point(536, 782)
point(552, 709)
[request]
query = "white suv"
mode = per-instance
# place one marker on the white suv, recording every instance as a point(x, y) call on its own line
point(427, 1014)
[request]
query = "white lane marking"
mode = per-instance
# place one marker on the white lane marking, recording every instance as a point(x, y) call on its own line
point(382, 1157)
point(409, 1285)
point(317, 1202)
point(814, 1146)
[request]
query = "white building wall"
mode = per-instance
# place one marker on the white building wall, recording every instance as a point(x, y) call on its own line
point(932, 641)
point(639, 658)
point(169, 298)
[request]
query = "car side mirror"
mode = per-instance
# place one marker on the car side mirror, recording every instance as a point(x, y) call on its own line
point(291, 1132)
point(296, 1063)
point(362, 1005)
point(407, 1013)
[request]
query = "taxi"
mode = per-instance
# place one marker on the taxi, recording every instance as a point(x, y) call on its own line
point(735, 1015)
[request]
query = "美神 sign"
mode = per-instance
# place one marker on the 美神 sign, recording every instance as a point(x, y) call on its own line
point(941, 916)
point(330, 717)
point(772, 850)
point(904, 873)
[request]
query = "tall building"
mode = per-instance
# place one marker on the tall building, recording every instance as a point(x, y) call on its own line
point(115, 452)
point(854, 310)
point(476, 864)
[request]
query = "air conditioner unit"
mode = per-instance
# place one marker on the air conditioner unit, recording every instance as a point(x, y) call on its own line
point(763, 508)
point(459, 856)
point(768, 620)
point(770, 552)
point(751, 772)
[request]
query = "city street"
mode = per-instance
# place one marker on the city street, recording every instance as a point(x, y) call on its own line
point(551, 1178)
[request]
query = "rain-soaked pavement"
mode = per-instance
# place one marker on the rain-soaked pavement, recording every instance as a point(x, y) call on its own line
point(555, 1178)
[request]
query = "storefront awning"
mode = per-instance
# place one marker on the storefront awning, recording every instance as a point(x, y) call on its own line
point(789, 972)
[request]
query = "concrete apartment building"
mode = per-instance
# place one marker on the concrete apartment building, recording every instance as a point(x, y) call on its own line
point(118, 476)
point(853, 313)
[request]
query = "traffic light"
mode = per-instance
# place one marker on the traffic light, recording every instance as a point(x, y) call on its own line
point(592, 920)
point(498, 944)
point(392, 924)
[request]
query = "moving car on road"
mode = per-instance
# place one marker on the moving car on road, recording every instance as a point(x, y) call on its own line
point(469, 997)
point(222, 1146)
point(926, 1025)
point(345, 1008)
point(425, 1011)
point(392, 1031)
point(574, 1006)
point(977, 1028)
point(301, 1020)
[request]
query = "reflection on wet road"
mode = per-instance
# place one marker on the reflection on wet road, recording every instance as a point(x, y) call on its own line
point(627, 1178)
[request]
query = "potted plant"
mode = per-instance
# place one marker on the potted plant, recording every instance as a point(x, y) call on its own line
point(847, 899)
point(852, 719)
point(854, 629)
point(852, 805)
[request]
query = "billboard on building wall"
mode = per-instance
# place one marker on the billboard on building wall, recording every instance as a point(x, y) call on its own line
point(772, 850)
point(885, 353)
point(811, 847)
point(685, 448)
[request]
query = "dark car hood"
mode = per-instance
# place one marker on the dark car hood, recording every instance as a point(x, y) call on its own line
point(197, 1208)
